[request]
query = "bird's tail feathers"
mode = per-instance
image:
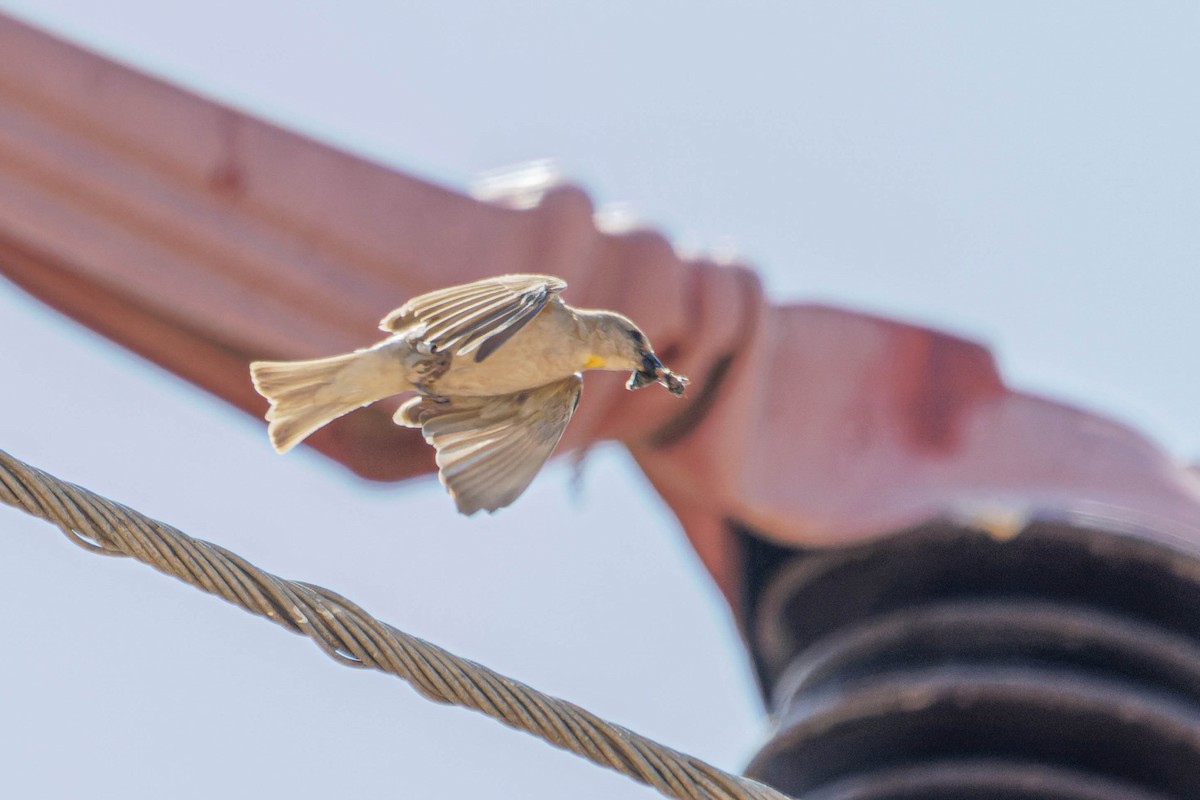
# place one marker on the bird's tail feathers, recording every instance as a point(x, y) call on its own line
point(306, 395)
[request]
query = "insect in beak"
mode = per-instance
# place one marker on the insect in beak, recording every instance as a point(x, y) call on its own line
point(653, 370)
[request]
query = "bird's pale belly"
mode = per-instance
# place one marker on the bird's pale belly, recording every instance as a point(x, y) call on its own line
point(530, 359)
point(505, 371)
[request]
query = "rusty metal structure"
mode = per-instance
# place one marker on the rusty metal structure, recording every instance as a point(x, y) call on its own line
point(949, 588)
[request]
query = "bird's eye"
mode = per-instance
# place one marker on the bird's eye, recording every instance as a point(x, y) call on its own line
point(637, 337)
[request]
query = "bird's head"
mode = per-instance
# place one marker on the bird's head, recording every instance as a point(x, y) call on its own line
point(618, 344)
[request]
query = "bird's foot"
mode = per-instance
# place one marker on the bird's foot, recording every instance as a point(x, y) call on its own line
point(430, 393)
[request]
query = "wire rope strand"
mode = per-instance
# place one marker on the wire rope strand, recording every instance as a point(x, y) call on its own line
point(353, 637)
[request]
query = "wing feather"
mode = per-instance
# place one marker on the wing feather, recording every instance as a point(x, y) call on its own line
point(489, 449)
point(469, 309)
point(480, 318)
point(484, 346)
point(476, 317)
point(444, 310)
point(504, 477)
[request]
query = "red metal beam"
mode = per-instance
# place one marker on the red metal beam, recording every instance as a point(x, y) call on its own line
point(203, 238)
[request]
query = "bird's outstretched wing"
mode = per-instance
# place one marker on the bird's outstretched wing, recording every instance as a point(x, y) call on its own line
point(490, 448)
point(476, 317)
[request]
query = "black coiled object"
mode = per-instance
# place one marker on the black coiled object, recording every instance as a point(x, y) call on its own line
point(941, 663)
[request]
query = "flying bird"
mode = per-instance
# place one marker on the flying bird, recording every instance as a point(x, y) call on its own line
point(496, 370)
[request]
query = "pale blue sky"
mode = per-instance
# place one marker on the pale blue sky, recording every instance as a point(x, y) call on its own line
point(1023, 174)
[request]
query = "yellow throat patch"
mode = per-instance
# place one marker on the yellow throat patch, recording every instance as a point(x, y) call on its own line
point(594, 362)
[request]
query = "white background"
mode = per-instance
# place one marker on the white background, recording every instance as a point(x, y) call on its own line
point(1021, 175)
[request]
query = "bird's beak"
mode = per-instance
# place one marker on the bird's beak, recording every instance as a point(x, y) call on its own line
point(652, 370)
point(640, 378)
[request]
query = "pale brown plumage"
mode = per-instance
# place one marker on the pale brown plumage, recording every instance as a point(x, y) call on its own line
point(496, 366)
point(478, 316)
point(490, 448)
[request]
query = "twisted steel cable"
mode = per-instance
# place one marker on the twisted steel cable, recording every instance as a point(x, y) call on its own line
point(354, 638)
